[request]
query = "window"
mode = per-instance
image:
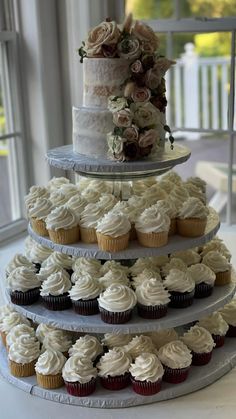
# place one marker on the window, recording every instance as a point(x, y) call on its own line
point(200, 36)
point(12, 165)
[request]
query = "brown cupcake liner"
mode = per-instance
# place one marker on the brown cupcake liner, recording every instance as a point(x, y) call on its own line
point(152, 312)
point(88, 235)
point(112, 244)
point(49, 381)
point(4, 338)
point(175, 375)
point(59, 302)
point(181, 300)
point(132, 234)
point(25, 298)
point(223, 278)
point(191, 227)
point(81, 390)
point(62, 236)
point(219, 340)
point(86, 307)
point(22, 370)
point(115, 317)
point(231, 332)
point(173, 227)
point(39, 226)
point(201, 359)
point(152, 239)
point(116, 383)
point(203, 290)
point(146, 388)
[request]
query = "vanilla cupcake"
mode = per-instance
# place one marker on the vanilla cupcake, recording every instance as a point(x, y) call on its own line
point(220, 265)
point(55, 291)
point(133, 213)
point(58, 199)
point(189, 257)
point(201, 343)
point(88, 222)
point(153, 194)
point(107, 201)
point(19, 260)
point(195, 192)
point(77, 204)
point(192, 218)
point(17, 331)
point(35, 192)
point(172, 177)
point(42, 330)
point(146, 374)
point(62, 226)
point(198, 182)
point(5, 311)
point(138, 345)
point(69, 190)
point(100, 186)
point(48, 369)
point(174, 263)
point(166, 185)
point(228, 312)
point(166, 206)
point(84, 295)
point(10, 320)
point(24, 286)
point(204, 279)
point(87, 347)
point(38, 214)
point(115, 340)
point(145, 275)
point(56, 182)
point(152, 299)
point(61, 260)
point(218, 245)
point(57, 340)
point(217, 326)
point(181, 287)
point(161, 337)
point(23, 355)
point(176, 359)
point(178, 196)
point(152, 228)
point(91, 195)
point(79, 376)
point(111, 265)
point(113, 276)
point(113, 232)
point(113, 369)
point(116, 304)
point(83, 266)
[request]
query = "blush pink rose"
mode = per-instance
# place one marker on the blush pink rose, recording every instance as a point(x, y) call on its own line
point(141, 94)
point(131, 133)
point(107, 33)
point(123, 118)
point(148, 138)
point(136, 67)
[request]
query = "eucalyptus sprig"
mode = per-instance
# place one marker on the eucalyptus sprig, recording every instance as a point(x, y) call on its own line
point(82, 53)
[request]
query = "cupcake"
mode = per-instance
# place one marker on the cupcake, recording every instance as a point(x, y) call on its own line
point(220, 265)
point(18, 261)
point(166, 185)
point(133, 213)
point(146, 374)
point(42, 330)
point(9, 321)
point(87, 347)
point(62, 226)
point(158, 261)
point(113, 276)
point(198, 182)
point(152, 228)
point(152, 299)
point(48, 270)
point(77, 204)
point(61, 260)
point(174, 263)
point(99, 186)
point(228, 312)
point(161, 337)
point(107, 201)
point(113, 369)
point(111, 265)
point(37, 254)
point(23, 355)
point(140, 265)
point(4, 312)
point(195, 192)
point(200, 342)
point(116, 304)
point(138, 345)
point(55, 291)
point(83, 266)
point(113, 232)
point(58, 340)
point(79, 376)
point(153, 194)
point(192, 218)
point(172, 177)
point(69, 190)
point(91, 195)
point(204, 279)
point(24, 286)
point(17, 331)
point(115, 340)
point(176, 359)
point(217, 326)
point(84, 295)
point(169, 209)
point(181, 287)
point(218, 245)
point(49, 369)
point(88, 222)
point(178, 196)
point(58, 198)
point(145, 275)
point(189, 257)
point(56, 182)
point(35, 192)
point(37, 215)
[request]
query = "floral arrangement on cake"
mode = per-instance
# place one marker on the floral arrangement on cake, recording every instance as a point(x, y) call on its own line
point(139, 114)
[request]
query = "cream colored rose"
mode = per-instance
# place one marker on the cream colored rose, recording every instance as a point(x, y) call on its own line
point(149, 137)
point(129, 48)
point(145, 34)
point(131, 133)
point(107, 33)
point(123, 118)
point(115, 103)
point(145, 114)
point(115, 143)
point(141, 94)
point(136, 67)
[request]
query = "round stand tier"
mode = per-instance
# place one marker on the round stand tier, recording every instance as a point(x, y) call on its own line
point(69, 320)
point(134, 250)
point(223, 360)
point(64, 158)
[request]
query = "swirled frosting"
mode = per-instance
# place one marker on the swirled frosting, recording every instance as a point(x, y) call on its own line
point(69, 190)
point(202, 273)
point(175, 355)
point(178, 195)
point(114, 225)
point(77, 204)
point(17, 261)
point(89, 266)
point(152, 293)
point(25, 350)
point(195, 192)
point(56, 182)
point(77, 369)
point(147, 367)
point(90, 216)
point(100, 186)
point(58, 198)
point(38, 253)
point(56, 284)
point(193, 208)
point(91, 195)
point(117, 298)
point(145, 275)
point(12, 319)
point(216, 262)
point(34, 193)
point(59, 259)
point(153, 194)
point(197, 181)
point(110, 265)
point(83, 183)
point(172, 177)
point(161, 337)
point(41, 208)
point(86, 288)
point(120, 207)
point(61, 217)
point(5, 311)
point(141, 264)
point(132, 213)
point(189, 257)
point(138, 345)
point(179, 281)
point(166, 185)
point(152, 221)
point(167, 207)
point(48, 270)
point(215, 324)
point(113, 276)
point(139, 187)
point(86, 347)
point(57, 340)
point(17, 331)
point(113, 340)
point(42, 330)
point(198, 340)
point(107, 202)
point(136, 201)
point(23, 279)
point(113, 363)
point(158, 261)
point(217, 245)
point(228, 312)
point(174, 263)
point(50, 362)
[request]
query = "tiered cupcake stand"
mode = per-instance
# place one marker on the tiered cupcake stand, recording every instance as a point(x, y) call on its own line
point(223, 360)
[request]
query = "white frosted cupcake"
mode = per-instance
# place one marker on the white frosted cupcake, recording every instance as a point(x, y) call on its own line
point(201, 343)
point(113, 276)
point(113, 232)
point(91, 195)
point(220, 265)
point(218, 245)
point(17, 331)
point(192, 218)
point(10, 320)
point(58, 198)
point(181, 287)
point(83, 266)
point(189, 256)
point(166, 206)
point(113, 340)
point(176, 359)
point(88, 222)
point(35, 192)
point(18, 261)
point(178, 196)
point(141, 264)
point(143, 276)
point(87, 347)
point(174, 263)
point(42, 330)
point(62, 226)
point(107, 202)
point(228, 312)
point(198, 182)
point(59, 259)
point(116, 304)
point(24, 286)
point(57, 340)
point(204, 279)
point(161, 337)
point(138, 345)
point(110, 265)
point(153, 194)
point(172, 177)
point(55, 291)
point(37, 254)
point(56, 182)
point(152, 228)
point(23, 355)
point(69, 190)
point(217, 326)
point(38, 213)
point(79, 376)
point(77, 204)
point(152, 299)
point(146, 374)
point(48, 270)
point(84, 295)
point(113, 369)
point(49, 369)
point(195, 192)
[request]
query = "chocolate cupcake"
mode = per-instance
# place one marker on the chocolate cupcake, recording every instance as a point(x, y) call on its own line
point(228, 312)
point(138, 345)
point(176, 359)
point(181, 288)
point(220, 265)
point(79, 376)
point(152, 299)
point(24, 286)
point(19, 260)
point(116, 304)
point(204, 279)
point(55, 291)
point(200, 342)
point(113, 369)
point(146, 374)
point(217, 326)
point(84, 295)
point(87, 347)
